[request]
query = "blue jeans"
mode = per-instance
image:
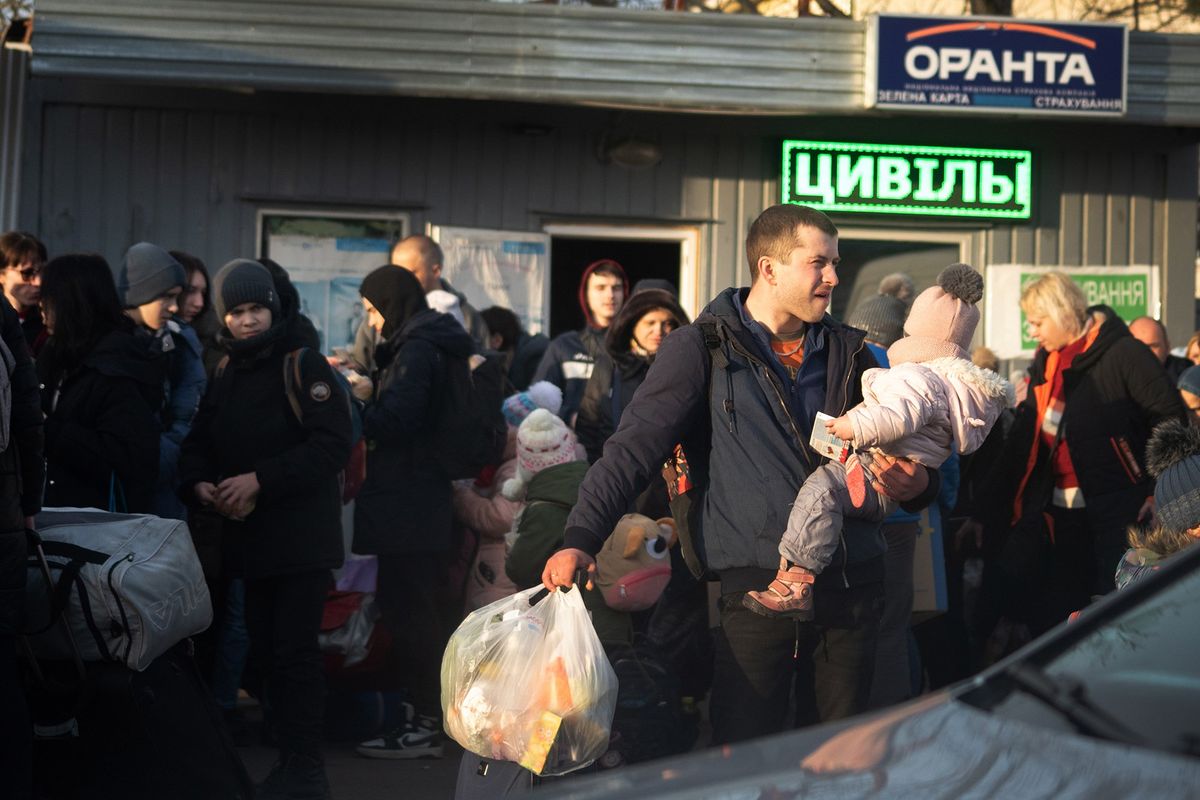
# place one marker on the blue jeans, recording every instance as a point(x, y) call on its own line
point(233, 645)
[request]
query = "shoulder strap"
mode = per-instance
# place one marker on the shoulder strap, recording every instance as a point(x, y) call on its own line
point(712, 341)
point(221, 365)
point(10, 361)
point(292, 379)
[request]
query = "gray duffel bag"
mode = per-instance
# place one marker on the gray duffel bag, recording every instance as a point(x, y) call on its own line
point(130, 586)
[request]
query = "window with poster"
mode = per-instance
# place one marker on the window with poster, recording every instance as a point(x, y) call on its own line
point(327, 254)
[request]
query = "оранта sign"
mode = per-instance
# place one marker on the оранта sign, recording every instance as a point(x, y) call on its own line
point(996, 65)
point(908, 179)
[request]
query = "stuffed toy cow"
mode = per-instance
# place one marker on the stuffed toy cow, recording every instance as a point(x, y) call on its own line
point(634, 566)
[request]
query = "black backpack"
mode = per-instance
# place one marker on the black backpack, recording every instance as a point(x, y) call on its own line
point(469, 429)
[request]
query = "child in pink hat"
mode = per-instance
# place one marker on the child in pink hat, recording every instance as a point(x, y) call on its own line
point(933, 399)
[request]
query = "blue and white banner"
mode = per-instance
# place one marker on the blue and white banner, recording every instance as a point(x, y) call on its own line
point(987, 64)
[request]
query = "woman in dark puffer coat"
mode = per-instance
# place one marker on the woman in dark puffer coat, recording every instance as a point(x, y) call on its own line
point(101, 390)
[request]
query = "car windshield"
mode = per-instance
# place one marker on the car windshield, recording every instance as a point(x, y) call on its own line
point(1140, 668)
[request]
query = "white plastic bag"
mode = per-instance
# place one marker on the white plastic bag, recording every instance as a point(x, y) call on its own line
point(530, 683)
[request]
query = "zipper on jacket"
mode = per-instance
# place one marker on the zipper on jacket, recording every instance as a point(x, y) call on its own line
point(778, 395)
point(849, 372)
point(845, 403)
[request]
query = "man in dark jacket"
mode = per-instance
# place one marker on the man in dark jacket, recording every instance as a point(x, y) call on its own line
point(1153, 334)
point(22, 471)
point(743, 406)
point(404, 513)
point(569, 359)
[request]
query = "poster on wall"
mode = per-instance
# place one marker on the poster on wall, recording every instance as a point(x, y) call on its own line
point(1130, 291)
point(327, 254)
point(510, 269)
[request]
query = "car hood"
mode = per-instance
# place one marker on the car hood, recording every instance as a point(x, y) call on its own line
point(935, 746)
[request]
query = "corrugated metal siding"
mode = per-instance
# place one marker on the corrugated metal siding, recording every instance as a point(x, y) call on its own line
point(463, 49)
point(193, 178)
point(14, 73)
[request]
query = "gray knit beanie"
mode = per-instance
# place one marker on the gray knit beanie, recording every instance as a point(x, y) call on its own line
point(147, 273)
point(882, 317)
point(1173, 458)
point(244, 281)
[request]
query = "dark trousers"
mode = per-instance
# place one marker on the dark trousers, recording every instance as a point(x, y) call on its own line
point(16, 734)
point(283, 618)
point(408, 602)
point(829, 662)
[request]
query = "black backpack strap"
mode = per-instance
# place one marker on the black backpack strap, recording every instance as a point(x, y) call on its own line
point(712, 342)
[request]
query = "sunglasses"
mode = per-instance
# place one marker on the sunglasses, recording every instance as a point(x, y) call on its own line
point(28, 273)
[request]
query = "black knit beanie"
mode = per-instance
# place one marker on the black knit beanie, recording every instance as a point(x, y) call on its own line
point(244, 281)
point(882, 317)
point(396, 294)
point(147, 273)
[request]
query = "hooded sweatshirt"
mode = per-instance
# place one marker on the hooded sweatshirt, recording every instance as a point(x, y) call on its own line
point(619, 370)
point(568, 361)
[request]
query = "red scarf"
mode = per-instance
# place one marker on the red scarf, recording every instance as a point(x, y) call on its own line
point(1050, 398)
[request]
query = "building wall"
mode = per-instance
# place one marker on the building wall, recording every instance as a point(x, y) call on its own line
point(106, 166)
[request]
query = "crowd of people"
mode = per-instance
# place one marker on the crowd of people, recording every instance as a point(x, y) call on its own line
point(157, 388)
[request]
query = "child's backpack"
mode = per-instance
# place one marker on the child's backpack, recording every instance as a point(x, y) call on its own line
point(469, 429)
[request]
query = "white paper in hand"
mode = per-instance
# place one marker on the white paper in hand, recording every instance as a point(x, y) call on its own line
point(825, 442)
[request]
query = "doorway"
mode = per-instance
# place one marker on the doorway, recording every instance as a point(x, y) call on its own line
point(644, 252)
point(868, 256)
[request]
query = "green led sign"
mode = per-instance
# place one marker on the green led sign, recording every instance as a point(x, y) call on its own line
point(906, 179)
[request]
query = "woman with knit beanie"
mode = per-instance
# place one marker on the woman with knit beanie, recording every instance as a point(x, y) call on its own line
point(404, 513)
point(933, 400)
point(265, 451)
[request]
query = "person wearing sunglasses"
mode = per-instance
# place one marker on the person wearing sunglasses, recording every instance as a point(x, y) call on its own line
point(23, 256)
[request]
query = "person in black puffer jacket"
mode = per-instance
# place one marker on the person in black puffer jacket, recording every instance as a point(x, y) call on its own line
point(272, 471)
point(404, 512)
point(22, 471)
point(101, 389)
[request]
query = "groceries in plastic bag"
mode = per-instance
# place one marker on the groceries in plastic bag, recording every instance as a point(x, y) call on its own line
point(530, 683)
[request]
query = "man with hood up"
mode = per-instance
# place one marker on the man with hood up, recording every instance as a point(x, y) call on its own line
point(404, 512)
point(569, 360)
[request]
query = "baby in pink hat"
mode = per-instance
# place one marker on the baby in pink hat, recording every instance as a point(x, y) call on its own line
point(932, 400)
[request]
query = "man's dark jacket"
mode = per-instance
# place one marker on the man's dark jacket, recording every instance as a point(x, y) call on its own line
point(405, 504)
point(22, 471)
point(746, 431)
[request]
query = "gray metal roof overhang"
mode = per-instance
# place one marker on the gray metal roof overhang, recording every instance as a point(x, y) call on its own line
point(530, 53)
